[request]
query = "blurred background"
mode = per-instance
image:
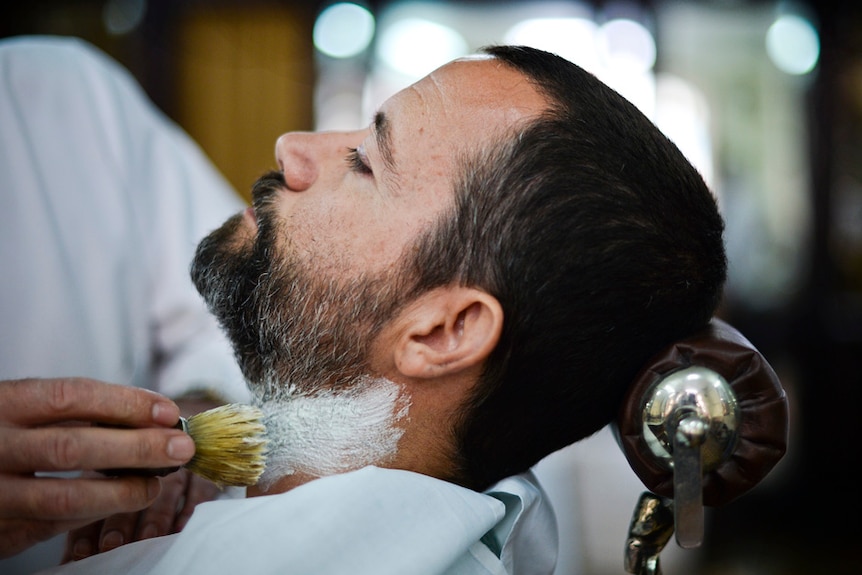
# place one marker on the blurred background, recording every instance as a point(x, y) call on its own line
point(764, 97)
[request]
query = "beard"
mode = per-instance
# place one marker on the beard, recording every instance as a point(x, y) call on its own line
point(293, 329)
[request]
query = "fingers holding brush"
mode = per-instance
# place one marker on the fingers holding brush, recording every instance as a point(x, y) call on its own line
point(79, 424)
point(45, 426)
point(74, 448)
point(28, 402)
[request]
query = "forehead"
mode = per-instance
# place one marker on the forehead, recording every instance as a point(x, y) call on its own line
point(463, 103)
point(482, 82)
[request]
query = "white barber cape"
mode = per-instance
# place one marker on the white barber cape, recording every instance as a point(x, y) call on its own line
point(372, 521)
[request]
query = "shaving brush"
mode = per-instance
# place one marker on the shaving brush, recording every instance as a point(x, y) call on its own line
point(230, 446)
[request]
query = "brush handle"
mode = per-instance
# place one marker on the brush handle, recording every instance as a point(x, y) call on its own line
point(134, 472)
point(183, 425)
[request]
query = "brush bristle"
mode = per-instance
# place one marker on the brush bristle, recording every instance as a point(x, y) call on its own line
point(230, 445)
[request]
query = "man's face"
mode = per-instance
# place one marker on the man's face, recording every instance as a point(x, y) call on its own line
point(305, 279)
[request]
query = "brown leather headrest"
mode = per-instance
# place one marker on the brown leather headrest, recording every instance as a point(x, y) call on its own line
point(763, 425)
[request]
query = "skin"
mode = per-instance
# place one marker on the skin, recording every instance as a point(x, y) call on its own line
point(169, 512)
point(42, 428)
point(347, 220)
point(360, 222)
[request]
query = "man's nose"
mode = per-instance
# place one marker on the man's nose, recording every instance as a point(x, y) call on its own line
point(295, 153)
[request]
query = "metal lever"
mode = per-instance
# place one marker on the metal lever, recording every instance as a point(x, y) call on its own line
point(690, 419)
point(688, 481)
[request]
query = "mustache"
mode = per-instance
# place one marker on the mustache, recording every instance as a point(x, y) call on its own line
point(264, 199)
point(266, 188)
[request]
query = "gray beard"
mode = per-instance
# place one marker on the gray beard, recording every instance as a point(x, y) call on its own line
point(293, 330)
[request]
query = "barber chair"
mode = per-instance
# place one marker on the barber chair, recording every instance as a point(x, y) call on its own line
point(703, 423)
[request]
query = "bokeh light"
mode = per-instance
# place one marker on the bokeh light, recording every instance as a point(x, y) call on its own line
point(627, 44)
point(123, 16)
point(793, 44)
point(416, 46)
point(343, 30)
point(571, 38)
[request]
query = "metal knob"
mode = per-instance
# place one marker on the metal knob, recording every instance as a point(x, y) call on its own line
point(690, 421)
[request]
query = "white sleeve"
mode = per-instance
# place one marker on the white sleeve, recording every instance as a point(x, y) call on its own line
point(189, 198)
point(183, 197)
point(104, 201)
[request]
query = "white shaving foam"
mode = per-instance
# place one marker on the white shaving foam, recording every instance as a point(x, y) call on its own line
point(332, 431)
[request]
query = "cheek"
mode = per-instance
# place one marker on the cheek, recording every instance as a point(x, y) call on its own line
point(347, 237)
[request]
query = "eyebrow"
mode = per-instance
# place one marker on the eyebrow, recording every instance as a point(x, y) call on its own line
point(382, 129)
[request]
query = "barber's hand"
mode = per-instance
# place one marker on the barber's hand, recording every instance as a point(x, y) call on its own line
point(169, 513)
point(45, 426)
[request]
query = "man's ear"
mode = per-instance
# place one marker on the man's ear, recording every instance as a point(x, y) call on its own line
point(447, 330)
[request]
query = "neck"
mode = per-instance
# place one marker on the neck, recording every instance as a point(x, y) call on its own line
point(281, 485)
point(330, 432)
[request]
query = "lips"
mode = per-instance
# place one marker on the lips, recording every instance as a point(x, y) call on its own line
point(250, 215)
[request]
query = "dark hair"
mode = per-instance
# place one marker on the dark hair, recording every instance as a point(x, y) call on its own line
point(601, 242)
